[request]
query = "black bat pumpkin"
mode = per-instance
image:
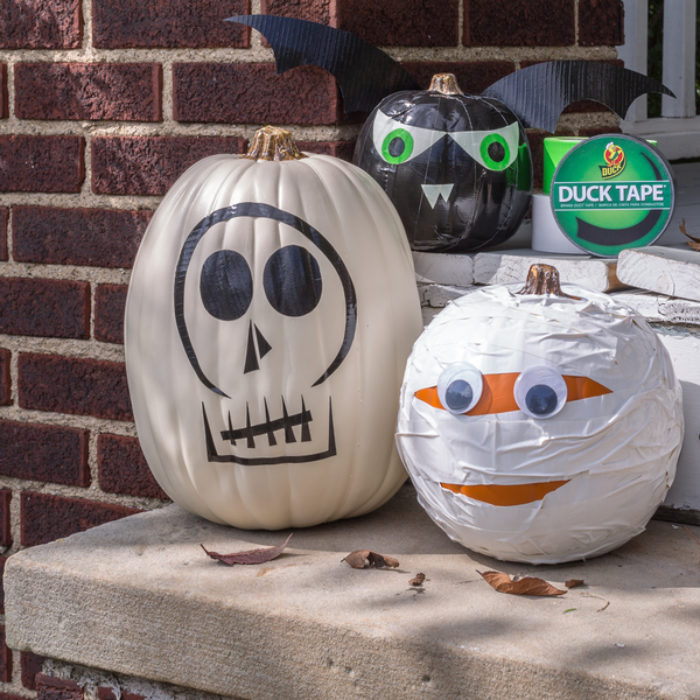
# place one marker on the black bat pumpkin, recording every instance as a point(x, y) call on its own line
point(457, 167)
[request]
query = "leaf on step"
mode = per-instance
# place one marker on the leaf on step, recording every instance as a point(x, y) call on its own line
point(574, 582)
point(528, 585)
point(250, 556)
point(365, 559)
point(417, 580)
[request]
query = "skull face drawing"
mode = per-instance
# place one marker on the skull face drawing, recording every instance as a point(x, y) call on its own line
point(289, 293)
point(270, 312)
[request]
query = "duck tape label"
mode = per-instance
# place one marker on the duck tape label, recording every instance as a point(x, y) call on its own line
point(612, 192)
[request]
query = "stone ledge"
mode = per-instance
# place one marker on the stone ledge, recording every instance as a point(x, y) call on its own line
point(138, 597)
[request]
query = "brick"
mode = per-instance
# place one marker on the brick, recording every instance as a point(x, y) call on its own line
point(5, 379)
point(110, 300)
point(41, 163)
point(30, 665)
point(10, 696)
point(472, 77)
point(519, 23)
point(46, 517)
point(50, 688)
point(401, 22)
point(312, 10)
point(73, 385)
point(123, 468)
point(99, 237)
point(4, 213)
point(41, 24)
point(536, 138)
point(44, 453)
point(597, 130)
point(148, 165)
point(601, 23)
point(339, 149)
point(253, 93)
point(42, 307)
point(5, 658)
point(5, 528)
point(104, 692)
point(168, 24)
point(3, 91)
point(97, 91)
point(2, 589)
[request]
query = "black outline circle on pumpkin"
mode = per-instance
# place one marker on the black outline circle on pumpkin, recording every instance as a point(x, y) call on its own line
point(265, 211)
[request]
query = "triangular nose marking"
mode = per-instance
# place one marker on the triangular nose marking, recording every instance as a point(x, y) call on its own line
point(251, 357)
point(433, 192)
point(263, 346)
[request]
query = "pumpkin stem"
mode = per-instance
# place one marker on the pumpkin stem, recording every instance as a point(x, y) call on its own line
point(445, 83)
point(543, 279)
point(273, 143)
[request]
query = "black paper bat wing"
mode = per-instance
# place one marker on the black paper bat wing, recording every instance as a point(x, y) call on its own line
point(539, 93)
point(365, 74)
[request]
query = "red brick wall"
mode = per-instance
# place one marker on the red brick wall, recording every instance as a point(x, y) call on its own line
point(103, 103)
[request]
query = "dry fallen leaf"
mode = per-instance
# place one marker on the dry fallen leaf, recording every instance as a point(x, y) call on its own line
point(250, 556)
point(417, 580)
point(574, 582)
point(364, 558)
point(692, 241)
point(528, 585)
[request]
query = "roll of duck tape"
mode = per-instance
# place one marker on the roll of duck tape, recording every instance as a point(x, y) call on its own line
point(555, 148)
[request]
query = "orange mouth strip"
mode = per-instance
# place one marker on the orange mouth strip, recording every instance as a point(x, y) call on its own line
point(497, 395)
point(505, 494)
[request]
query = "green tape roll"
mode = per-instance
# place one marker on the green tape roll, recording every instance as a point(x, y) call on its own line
point(555, 148)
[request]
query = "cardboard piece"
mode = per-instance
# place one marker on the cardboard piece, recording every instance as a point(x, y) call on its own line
point(538, 94)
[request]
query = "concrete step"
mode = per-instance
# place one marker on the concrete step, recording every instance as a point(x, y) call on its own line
point(139, 597)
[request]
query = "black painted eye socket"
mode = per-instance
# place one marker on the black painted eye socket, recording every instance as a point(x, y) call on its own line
point(292, 281)
point(226, 285)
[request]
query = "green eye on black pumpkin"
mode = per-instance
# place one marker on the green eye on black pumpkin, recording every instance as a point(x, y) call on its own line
point(397, 146)
point(495, 152)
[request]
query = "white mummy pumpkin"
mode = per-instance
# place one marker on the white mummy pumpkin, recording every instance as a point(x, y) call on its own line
point(540, 427)
point(270, 312)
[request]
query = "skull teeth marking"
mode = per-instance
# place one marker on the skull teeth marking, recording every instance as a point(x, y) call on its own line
point(268, 427)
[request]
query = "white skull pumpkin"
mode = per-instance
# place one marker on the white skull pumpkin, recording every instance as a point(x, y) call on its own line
point(540, 427)
point(270, 312)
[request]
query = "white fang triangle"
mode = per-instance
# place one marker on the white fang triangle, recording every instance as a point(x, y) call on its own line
point(433, 192)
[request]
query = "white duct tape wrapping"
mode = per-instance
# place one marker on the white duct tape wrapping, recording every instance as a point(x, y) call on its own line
point(592, 475)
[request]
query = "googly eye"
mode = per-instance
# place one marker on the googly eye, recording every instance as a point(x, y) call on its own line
point(397, 146)
point(459, 387)
point(540, 392)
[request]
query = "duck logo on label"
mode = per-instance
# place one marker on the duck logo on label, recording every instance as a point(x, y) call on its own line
point(614, 161)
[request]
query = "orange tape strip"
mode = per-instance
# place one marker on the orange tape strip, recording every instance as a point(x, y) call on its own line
point(506, 494)
point(497, 395)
